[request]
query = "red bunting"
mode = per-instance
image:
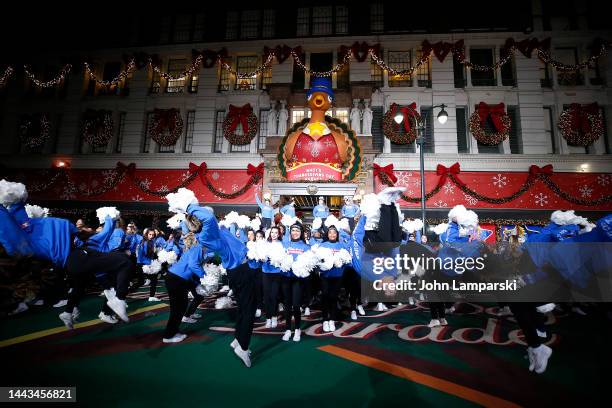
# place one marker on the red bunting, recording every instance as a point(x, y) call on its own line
point(255, 170)
point(444, 172)
point(534, 170)
point(495, 111)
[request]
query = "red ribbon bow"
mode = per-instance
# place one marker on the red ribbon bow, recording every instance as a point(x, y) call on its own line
point(407, 112)
point(360, 51)
point(201, 169)
point(130, 169)
point(496, 112)
point(387, 170)
point(240, 115)
point(444, 172)
point(440, 49)
point(535, 170)
point(580, 116)
point(255, 170)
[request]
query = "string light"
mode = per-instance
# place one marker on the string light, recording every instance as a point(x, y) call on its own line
point(5, 77)
point(120, 77)
point(186, 74)
point(48, 84)
point(559, 66)
point(248, 75)
point(339, 66)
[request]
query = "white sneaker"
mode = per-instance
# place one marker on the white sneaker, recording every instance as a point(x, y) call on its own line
point(154, 299)
point(326, 326)
point(443, 322)
point(541, 333)
point(258, 313)
point(411, 301)
point(190, 295)
point(196, 315)
point(549, 307)
point(234, 343)
point(61, 303)
point(379, 307)
point(119, 307)
point(531, 358)
point(268, 323)
point(287, 335)
point(332, 326)
point(281, 307)
point(450, 310)
point(147, 283)
point(107, 319)
point(21, 307)
point(353, 315)
point(274, 322)
point(307, 311)
point(67, 319)
point(434, 323)
point(76, 314)
point(297, 335)
point(110, 293)
point(178, 337)
point(384, 307)
point(541, 354)
point(230, 293)
point(244, 355)
point(38, 302)
point(186, 319)
point(575, 309)
point(360, 310)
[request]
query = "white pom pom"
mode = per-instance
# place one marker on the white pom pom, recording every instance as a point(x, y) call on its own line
point(342, 257)
point(35, 211)
point(468, 218)
point(304, 264)
point(390, 195)
point(174, 222)
point(11, 193)
point(232, 217)
point(267, 196)
point(103, 212)
point(410, 226)
point(317, 223)
point(224, 302)
point(255, 224)
point(325, 256)
point(456, 212)
point(275, 252)
point(331, 220)
point(286, 263)
point(243, 222)
point(563, 217)
point(153, 268)
point(440, 229)
point(343, 224)
point(179, 201)
point(168, 257)
point(288, 220)
point(257, 250)
point(370, 208)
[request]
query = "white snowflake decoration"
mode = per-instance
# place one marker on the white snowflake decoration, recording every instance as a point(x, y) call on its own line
point(235, 187)
point(137, 197)
point(585, 191)
point(470, 200)
point(163, 189)
point(603, 179)
point(449, 188)
point(69, 192)
point(109, 176)
point(541, 199)
point(185, 176)
point(146, 183)
point(215, 175)
point(403, 178)
point(499, 181)
point(440, 204)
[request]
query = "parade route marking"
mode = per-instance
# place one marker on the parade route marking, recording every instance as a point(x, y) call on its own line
point(55, 330)
point(469, 394)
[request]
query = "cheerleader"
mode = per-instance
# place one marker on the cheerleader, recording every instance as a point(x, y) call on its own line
point(349, 211)
point(320, 210)
point(267, 212)
point(330, 280)
point(289, 208)
point(271, 280)
point(145, 255)
point(256, 239)
point(292, 284)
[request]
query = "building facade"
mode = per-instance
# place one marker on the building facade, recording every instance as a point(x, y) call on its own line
point(70, 172)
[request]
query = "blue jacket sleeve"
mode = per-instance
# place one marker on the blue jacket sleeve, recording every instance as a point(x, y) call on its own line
point(14, 240)
point(261, 206)
point(100, 241)
point(116, 241)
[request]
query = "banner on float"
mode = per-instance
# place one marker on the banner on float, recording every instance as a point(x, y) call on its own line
point(314, 172)
point(486, 233)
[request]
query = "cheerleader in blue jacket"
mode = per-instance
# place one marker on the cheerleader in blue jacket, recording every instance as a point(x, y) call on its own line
point(271, 281)
point(145, 255)
point(267, 212)
point(330, 281)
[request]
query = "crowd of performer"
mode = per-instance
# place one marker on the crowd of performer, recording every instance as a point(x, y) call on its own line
point(276, 265)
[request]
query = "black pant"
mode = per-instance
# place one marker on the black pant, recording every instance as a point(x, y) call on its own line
point(82, 264)
point(351, 283)
point(259, 293)
point(330, 287)
point(266, 223)
point(153, 286)
point(195, 302)
point(271, 284)
point(243, 281)
point(177, 292)
point(528, 319)
point(437, 310)
point(292, 292)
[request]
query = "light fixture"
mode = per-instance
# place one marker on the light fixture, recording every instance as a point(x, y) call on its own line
point(61, 164)
point(442, 116)
point(584, 167)
point(398, 118)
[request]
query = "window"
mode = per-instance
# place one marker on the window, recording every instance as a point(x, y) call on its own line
point(182, 28)
point(188, 143)
point(596, 73)
point(342, 20)
point(400, 60)
point(545, 75)
point(198, 27)
point(482, 57)
point(516, 145)
point(263, 128)
point(343, 79)
point(120, 132)
point(549, 129)
point(459, 74)
point(303, 22)
point(218, 140)
point(224, 76)
point(322, 20)
point(427, 115)
point(424, 72)
point(378, 140)
point(146, 140)
point(266, 77)
point(249, 24)
point(299, 76)
point(376, 74)
point(297, 115)
point(377, 18)
point(244, 65)
point(193, 83)
point(155, 83)
point(269, 17)
point(508, 73)
point(568, 56)
point(166, 22)
point(176, 68)
point(111, 70)
point(341, 114)
point(231, 25)
point(462, 134)
point(53, 144)
point(320, 62)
